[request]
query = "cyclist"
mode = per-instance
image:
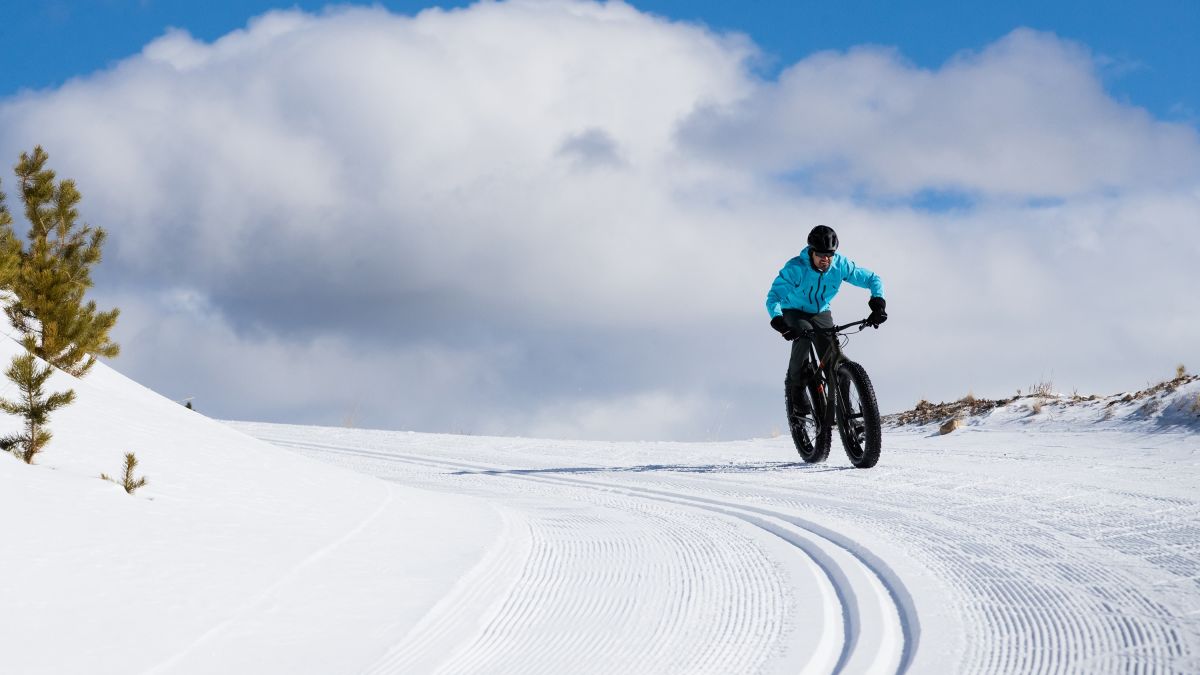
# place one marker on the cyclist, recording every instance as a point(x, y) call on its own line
point(799, 300)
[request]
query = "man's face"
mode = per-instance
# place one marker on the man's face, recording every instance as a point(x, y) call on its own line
point(821, 261)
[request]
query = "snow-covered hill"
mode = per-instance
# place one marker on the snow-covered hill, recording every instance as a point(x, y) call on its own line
point(237, 557)
point(1019, 543)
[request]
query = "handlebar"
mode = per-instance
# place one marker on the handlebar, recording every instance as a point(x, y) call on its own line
point(860, 324)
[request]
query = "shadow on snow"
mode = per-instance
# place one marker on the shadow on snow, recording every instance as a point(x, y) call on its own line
point(744, 467)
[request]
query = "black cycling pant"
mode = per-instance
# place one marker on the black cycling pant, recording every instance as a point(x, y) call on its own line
point(800, 371)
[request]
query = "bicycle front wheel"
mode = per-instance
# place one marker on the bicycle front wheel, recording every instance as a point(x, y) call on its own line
point(805, 411)
point(858, 416)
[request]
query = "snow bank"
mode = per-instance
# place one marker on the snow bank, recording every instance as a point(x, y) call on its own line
point(236, 556)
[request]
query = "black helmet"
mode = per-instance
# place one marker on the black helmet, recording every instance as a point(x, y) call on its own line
point(823, 239)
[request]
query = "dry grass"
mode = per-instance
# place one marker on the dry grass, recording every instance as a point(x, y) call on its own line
point(1037, 406)
point(927, 413)
point(351, 419)
point(1043, 389)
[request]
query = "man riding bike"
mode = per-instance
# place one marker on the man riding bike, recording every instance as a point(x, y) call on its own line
point(800, 295)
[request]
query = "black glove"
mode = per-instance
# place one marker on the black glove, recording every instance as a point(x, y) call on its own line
point(878, 316)
point(780, 325)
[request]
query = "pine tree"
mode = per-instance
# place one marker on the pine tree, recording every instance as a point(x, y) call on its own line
point(10, 248)
point(53, 273)
point(33, 405)
point(127, 480)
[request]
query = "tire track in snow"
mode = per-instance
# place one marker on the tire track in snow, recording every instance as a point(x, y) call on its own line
point(1038, 598)
point(868, 598)
point(565, 597)
point(540, 629)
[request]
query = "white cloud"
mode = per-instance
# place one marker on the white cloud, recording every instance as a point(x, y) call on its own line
point(186, 351)
point(562, 217)
point(1027, 116)
point(421, 153)
point(654, 415)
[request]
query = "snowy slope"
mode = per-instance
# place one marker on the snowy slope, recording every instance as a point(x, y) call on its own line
point(1023, 542)
point(237, 557)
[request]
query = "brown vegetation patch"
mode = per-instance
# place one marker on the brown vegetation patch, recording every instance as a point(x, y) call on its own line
point(927, 413)
point(970, 406)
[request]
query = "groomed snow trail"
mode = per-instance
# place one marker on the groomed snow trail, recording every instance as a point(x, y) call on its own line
point(623, 578)
point(725, 558)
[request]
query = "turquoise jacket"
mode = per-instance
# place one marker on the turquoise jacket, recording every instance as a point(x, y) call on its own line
point(801, 287)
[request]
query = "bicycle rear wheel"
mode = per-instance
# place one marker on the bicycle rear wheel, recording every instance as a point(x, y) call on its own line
point(858, 416)
point(805, 406)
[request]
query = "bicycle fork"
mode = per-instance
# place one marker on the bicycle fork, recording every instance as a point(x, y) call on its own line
point(827, 420)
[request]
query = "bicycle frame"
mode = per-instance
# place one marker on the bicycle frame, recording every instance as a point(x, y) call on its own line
point(826, 368)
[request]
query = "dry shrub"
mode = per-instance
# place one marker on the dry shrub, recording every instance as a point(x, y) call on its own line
point(1043, 389)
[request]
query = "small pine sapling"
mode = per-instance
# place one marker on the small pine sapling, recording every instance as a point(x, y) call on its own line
point(34, 405)
point(128, 481)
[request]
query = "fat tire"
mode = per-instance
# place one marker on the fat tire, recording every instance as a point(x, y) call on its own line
point(864, 454)
point(811, 450)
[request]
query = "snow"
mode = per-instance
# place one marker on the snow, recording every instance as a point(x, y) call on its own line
point(1062, 540)
point(236, 557)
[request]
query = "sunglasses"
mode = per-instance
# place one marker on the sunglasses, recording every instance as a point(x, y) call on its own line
point(823, 254)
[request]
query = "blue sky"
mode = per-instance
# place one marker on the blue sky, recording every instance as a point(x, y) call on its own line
point(560, 218)
point(1153, 45)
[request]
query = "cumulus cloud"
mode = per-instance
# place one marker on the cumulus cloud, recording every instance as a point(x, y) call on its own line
point(561, 217)
point(1025, 117)
point(417, 152)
